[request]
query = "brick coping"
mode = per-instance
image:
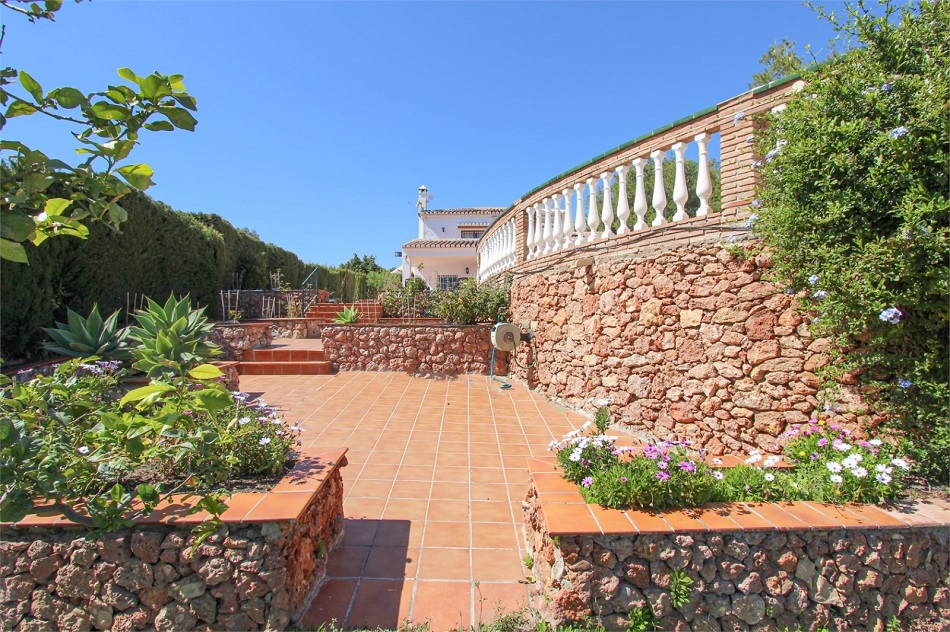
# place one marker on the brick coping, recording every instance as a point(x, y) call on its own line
point(567, 513)
point(286, 502)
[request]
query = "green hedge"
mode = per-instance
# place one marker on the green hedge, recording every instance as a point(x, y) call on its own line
point(160, 250)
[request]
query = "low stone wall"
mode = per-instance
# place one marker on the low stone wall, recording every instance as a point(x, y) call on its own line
point(294, 328)
point(235, 339)
point(845, 579)
point(424, 349)
point(688, 341)
point(249, 575)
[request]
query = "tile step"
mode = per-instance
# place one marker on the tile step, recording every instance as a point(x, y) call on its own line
point(284, 355)
point(286, 368)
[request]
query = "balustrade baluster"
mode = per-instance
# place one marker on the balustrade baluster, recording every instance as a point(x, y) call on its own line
point(703, 183)
point(546, 235)
point(592, 219)
point(529, 237)
point(680, 190)
point(579, 223)
point(607, 211)
point(659, 191)
point(640, 196)
point(623, 206)
point(558, 231)
point(537, 230)
point(568, 220)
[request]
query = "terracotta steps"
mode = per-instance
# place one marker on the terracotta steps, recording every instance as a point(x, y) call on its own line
point(279, 360)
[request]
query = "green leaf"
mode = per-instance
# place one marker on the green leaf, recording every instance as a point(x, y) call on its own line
point(187, 101)
point(128, 75)
point(68, 98)
point(117, 214)
point(12, 251)
point(32, 86)
point(139, 176)
point(147, 493)
point(205, 372)
point(6, 428)
point(154, 87)
point(15, 225)
point(109, 111)
point(56, 206)
point(143, 392)
point(53, 5)
point(20, 108)
point(214, 399)
point(160, 126)
point(182, 119)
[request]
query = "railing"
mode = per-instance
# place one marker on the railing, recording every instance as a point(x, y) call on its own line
point(581, 208)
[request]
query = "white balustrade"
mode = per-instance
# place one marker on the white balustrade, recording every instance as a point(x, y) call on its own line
point(659, 192)
point(607, 212)
point(538, 234)
point(579, 223)
point(568, 220)
point(530, 234)
point(640, 196)
point(680, 191)
point(558, 231)
point(546, 234)
point(592, 218)
point(623, 206)
point(703, 183)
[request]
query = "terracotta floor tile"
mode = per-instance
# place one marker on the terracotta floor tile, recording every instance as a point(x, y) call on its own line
point(405, 509)
point(391, 562)
point(239, 505)
point(447, 534)
point(369, 488)
point(491, 512)
point(456, 447)
point(347, 561)
point(445, 605)
point(493, 535)
point(448, 510)
point(359, 532)
point(612, 521)
point(452, 474)
point(381, 603)
point(414, 472)
point(569, 519)
point(363, 508)
point(453, 459)
point(381, 471)
point(282, 506)
point(494, 598)
point(648, 521)
point(682, 520)
point(488, 491)
point(487, 475)
point(440, 563)
point(497, 565)
point(399, 533)
point(332, 604)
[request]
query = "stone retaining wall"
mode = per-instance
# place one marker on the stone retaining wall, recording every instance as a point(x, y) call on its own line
point(247, 576)
point(855, 579)
point(442, 350)
point(235, 338)
point(687, 340)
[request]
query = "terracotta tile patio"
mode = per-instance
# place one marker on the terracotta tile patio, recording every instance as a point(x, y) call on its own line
point(433, 491)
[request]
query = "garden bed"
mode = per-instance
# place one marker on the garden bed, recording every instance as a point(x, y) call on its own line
point(736, 565)
point(259, 571)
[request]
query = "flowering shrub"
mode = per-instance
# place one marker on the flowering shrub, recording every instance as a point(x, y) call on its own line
point(71, 443)
point(854, 206)
point(828, 468)
point(473, 302)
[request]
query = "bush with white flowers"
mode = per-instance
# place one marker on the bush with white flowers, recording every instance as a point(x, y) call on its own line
point(854, 205)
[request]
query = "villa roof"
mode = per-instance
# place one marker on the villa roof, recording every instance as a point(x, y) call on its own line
point(475, 210)
point(440, 243)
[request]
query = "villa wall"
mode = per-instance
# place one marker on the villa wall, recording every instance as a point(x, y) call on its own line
point(686, 338)
point(442, 350)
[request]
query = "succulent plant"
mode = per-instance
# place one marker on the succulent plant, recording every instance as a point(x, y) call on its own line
point(348, 316)
point(84, 337)
point(172, 338)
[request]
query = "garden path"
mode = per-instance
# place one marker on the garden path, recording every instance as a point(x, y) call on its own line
point(433, 491)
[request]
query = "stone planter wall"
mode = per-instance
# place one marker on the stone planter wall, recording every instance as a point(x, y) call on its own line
point(843, 579)
point(686, 339)
point(234, 339)
point(259, 571)
point(422, 349)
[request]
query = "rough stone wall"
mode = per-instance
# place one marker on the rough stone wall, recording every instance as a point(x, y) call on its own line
point(687, 342)
point(234, 339)
point(294, 328)
point(244, 577)
point(442, 350)
point(753, 580)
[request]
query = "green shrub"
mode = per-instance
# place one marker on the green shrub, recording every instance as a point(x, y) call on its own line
point(92, 336)
point(474, 302)
point(854, 207)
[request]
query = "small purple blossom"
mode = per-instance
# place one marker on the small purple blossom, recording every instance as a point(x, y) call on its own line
point(897, 132)
point(887, 87)
point(820, 294)
point(756, 203)
point(662, 464)
point(718, 475)
point(585, 463)
point(813, 279)
point(750, 138)
point(772, 153)
point(891, 315)
point(738, 117)
point(904, 383)
point(814, 456)
point(749, 223)
point(687, 466)
point(651, 452)
point(663, 476)
point(822, 442)
point(587, 481)
point(756, 164)
point(623, 479)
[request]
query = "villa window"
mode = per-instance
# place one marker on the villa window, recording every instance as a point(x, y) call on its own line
point(448, 281)
point(472, 234)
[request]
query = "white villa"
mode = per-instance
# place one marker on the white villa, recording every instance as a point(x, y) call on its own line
point(444, 252)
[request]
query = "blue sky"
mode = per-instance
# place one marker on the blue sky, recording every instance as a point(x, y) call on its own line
point(319, 120)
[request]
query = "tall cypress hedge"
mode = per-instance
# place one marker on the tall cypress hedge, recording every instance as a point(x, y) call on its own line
point(159, 251)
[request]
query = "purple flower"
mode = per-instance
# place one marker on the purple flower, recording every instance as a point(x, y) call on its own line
point(749, 138)
point(897, 132)
point(585, 462)
point(820, 294)
point(587, 481)
point(623, 479)
point(749, 223)
point(738, 117)
point(822, 442)
point(814, 456)
point(891, 315)
point(756, 164)
point(687, 466)
point(813, 279)
point(772, 153)
point(651, 452)
point(904, 383)
point(757, 203)
point(663, 464)
point(663, 476)
point(887, 87)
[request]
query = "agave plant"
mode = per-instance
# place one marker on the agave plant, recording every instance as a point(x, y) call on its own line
point(84, 337)
point(348, 316)
point(172, 338)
